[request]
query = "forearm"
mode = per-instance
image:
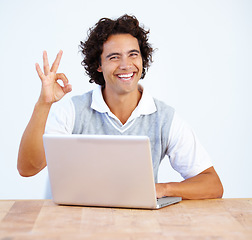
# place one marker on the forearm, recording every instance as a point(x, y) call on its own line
point(31, 156)
point(203, 186)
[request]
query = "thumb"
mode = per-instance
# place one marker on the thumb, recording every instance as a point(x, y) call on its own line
point(67, 88)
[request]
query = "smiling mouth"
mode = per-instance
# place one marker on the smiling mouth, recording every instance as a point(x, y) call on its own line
point(126, 77)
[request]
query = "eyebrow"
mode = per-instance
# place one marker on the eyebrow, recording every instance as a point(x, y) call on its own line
point(115, 53)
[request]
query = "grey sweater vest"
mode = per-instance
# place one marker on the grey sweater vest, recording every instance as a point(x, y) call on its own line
point(156, 126)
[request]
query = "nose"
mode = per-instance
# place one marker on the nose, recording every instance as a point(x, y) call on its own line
point(125, 63)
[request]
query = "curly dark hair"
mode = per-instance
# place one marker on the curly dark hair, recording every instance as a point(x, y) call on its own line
point(92, 48)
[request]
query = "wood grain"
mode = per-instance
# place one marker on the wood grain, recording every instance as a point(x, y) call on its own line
point(191, 219)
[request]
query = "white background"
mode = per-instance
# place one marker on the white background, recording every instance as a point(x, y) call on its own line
point(202, 67)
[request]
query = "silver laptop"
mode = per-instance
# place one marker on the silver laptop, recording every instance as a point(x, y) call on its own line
point(102, 170)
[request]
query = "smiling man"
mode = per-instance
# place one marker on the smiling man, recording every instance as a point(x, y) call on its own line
point(116, 56)
point(121, 66)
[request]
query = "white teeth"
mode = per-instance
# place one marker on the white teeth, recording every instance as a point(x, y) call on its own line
point(125, 75)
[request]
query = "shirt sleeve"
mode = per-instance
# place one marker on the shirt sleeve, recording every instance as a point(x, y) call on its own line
point(186, 154)
point(61, 118)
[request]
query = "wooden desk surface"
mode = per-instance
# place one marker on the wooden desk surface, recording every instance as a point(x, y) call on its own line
point(190, 220)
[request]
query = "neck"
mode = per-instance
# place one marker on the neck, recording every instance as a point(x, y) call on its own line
point(123, 105)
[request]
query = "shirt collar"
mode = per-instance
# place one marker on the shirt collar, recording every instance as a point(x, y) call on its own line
point(145, 106)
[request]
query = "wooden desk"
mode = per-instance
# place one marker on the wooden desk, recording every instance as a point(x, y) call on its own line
point(190, 220)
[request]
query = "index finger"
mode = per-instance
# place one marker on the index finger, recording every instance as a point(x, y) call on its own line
point(56, 63)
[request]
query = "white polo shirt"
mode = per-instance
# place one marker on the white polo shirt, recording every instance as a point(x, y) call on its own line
point(186, 154)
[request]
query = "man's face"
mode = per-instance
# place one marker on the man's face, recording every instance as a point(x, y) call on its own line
point(121, 64)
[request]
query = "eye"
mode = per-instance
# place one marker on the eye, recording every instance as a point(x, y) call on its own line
point(114, 58)
point(134, 54)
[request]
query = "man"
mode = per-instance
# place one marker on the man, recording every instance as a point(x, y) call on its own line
point(116, 56)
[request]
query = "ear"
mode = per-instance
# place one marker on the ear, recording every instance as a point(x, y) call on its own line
point(99, 69)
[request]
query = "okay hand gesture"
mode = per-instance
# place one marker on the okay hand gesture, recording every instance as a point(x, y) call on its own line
point(51, 90)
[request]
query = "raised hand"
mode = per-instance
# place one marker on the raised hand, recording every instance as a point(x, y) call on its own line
point(51, 90)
